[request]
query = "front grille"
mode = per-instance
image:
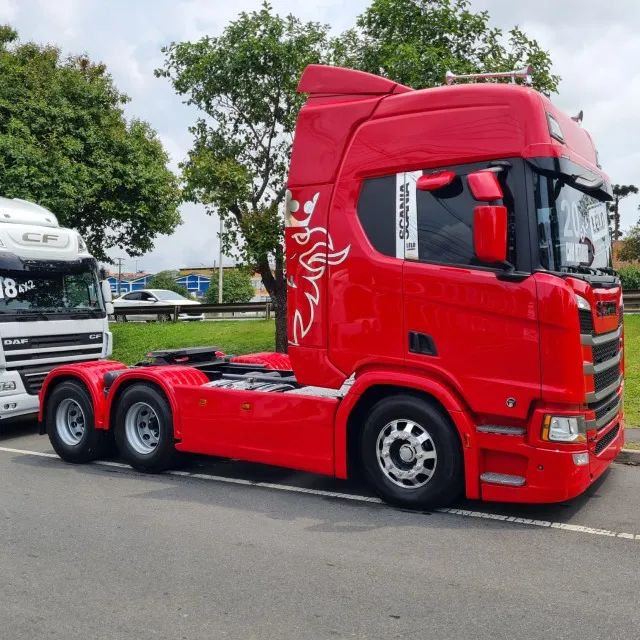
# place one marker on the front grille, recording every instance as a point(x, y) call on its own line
point(46, 342)
point(607, 439)
point(605, 378)
point(605, 351)
point(23, 357)
point(604, 406)
point(586, 321)
point(620, 315)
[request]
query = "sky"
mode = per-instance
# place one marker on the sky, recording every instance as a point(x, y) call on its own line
point(594, 47)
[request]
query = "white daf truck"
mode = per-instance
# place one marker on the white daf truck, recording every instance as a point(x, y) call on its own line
point(53, 308)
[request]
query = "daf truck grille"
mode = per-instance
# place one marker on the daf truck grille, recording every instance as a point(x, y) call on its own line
point(51, 350)
point(606, 439)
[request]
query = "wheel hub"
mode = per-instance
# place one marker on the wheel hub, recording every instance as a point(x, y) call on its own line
point(406, 453)
point(70, 422)
point(142, 428)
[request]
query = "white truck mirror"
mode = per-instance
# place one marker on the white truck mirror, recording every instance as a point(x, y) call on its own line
point(106, 295)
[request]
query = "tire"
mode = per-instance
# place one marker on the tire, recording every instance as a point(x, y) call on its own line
point(70, 424)
point(121, 318)
point(144, 429)
point(164, 317)
point(411, 453)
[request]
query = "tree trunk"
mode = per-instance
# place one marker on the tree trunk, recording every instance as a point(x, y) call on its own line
point(276, 285)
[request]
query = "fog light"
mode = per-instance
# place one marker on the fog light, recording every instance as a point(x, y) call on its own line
point(564, 429)
point(580, 459)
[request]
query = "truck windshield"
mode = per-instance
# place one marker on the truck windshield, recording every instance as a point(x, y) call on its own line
point(573, 226)
point(58, 294)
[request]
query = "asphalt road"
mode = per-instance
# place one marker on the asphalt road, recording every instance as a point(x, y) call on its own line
point(93, 552)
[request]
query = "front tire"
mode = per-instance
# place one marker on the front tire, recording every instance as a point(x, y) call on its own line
point(144, 429)
point(70, 424)
point(411, 453)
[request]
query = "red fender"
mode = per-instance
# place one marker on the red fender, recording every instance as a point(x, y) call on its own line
point(91, 374)
point(167, 377)
point(446, 396)
point(269, 359)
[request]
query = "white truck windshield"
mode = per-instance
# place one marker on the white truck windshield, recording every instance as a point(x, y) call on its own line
point(26, 292)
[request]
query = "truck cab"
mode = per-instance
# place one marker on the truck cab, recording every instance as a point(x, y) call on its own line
point(455, 326)
point(52, 305)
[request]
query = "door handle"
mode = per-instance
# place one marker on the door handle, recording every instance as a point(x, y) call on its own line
point(422, 343)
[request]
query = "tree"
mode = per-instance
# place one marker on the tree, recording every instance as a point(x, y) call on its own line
point(244, 82)
point(620, 192)
point(415, 42)
point(236, 287)
point(65, 144)
point(630, 250)
point(167, 280)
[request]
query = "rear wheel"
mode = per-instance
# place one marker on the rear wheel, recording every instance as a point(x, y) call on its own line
point(164, 317)
point(70, 424)
point(121, 317)
point(144, 429)
point(411, 453)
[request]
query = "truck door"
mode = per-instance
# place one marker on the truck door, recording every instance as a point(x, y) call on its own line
point(466, 322)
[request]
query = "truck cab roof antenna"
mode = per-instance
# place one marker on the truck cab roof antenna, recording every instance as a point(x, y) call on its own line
point(525, 73)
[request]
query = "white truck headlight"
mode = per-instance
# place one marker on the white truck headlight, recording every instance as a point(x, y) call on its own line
point(582, 303)
point(564, 429)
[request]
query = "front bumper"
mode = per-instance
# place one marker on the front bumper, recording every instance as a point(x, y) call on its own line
point(549, 473)
point(18, 404)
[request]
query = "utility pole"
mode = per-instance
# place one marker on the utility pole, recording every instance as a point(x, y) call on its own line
point(119, 261)
point(220, 262)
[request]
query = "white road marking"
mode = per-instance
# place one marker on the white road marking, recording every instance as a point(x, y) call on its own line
point(466, 513)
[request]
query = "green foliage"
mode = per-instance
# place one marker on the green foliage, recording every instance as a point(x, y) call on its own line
point(65, 144)
point(167, 280)
point(630, 277)
point(620, 192)
point(630, 250)
point(133, 340)
point(632, 370)
point(236, 287)
point(416, 41)
point(243, 82)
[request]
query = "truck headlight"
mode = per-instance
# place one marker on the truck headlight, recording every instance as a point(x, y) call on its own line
point(564, 429)
point(582, 303)
point(8, 386)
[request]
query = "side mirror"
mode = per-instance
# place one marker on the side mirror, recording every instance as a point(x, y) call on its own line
point(484, 186)
point(490, 233)
point(433, 181)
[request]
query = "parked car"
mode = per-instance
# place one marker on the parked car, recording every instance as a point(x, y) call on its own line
point(148, 297)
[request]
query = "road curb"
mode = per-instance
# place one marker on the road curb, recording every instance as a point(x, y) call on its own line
point(629, 456)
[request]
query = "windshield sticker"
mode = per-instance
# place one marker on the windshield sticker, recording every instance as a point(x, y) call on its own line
point(9, 288)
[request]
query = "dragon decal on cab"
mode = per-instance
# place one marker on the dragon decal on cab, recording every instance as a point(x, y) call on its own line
point(312, 250)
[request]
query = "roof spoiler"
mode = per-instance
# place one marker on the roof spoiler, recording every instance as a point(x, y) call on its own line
point(327, 80)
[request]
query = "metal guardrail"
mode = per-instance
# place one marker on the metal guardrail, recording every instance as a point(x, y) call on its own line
point(175, 310)
point(631, 300)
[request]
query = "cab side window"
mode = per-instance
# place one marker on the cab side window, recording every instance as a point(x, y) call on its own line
point(432, 226)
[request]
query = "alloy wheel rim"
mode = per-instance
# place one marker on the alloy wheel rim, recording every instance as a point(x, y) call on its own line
point(406, 453)
point(142, 428)
point(70, 422)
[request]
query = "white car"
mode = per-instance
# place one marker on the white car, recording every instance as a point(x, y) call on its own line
point(149, 297)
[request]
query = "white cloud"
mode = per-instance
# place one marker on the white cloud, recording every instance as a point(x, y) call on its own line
point(594, 48)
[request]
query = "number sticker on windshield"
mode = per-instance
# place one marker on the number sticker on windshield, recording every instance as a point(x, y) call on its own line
point(9, 288)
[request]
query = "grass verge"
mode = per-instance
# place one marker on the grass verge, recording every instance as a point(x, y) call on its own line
point(133, 340)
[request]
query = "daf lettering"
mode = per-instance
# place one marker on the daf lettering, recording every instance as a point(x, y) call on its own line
point(11, 341)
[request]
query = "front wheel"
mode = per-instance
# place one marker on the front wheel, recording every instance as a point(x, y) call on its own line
point(411, 453)
point(144, 429)
point(71, 426)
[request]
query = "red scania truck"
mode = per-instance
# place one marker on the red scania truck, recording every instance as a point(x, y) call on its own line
point(455, 325)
